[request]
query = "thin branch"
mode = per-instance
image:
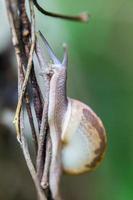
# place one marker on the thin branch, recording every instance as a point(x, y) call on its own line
point(29, 112)
point(19, 106)
point(26, 34)
point(28, 160)
point(37, 97)
point(44, 124)
point(45, 176)
point(83, 17)
point(15, 22)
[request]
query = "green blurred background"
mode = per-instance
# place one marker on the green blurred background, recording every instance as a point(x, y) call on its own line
point(101, 75)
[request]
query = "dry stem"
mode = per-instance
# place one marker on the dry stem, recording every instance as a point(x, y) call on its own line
point(82, 17)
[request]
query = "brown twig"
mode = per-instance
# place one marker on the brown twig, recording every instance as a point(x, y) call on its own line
point(30, 165)
point(15, 21)
point(15, 24)
point(34, 135)
point(83, 17)
point(37, 98)
point(19, 106)
point(45, 176)
point(44, 124)
point(26, 33)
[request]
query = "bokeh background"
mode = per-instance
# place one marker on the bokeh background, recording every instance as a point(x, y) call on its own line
point(100, 74)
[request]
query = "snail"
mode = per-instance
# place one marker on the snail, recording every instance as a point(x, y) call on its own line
point(83, 137)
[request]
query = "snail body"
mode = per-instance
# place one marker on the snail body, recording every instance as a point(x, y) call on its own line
point(83, 137)
point(77, 133)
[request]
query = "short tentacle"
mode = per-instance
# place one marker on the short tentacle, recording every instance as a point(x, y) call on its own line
point(65, 58)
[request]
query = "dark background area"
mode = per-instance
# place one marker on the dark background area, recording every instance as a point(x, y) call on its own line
point(100, 74)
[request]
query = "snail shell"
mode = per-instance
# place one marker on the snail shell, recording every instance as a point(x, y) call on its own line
point(83, 137)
